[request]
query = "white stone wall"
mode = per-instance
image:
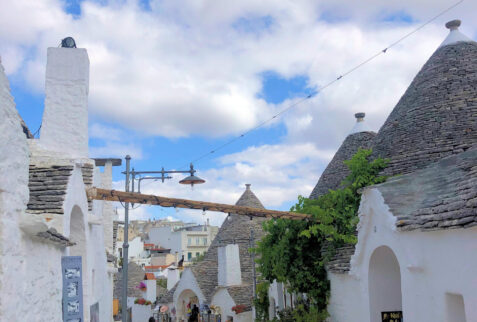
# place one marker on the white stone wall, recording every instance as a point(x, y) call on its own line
point(432, 265)
point(187, 283)
point(141, 313)
point(19, 289)
point(150, 293)
point(229, 272)
point(65, 118)
point(223, 300)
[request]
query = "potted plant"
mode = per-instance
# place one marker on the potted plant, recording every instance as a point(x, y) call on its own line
point(239, 308)
point(142, 286)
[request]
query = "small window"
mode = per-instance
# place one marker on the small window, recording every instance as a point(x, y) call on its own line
point(197, 240)
point(189, 241)
point(204, 240)
point(189, 256)
point(197, 254)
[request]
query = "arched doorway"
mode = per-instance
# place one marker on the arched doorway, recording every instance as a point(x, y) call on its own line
point(384, 283)
point(78, 236)
point(187, 299)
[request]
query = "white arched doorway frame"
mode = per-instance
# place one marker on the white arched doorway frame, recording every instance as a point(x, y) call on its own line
point(384, 283)
point(183, 300)
point(78, 235)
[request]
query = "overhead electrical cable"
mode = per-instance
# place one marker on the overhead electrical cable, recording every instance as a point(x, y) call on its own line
point(320, 89)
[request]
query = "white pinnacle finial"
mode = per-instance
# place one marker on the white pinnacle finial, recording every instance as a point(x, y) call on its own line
point(455, 35)
point(360, 125)
point(453, 24)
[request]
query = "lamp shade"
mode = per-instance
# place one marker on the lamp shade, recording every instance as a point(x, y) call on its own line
point(192, 180)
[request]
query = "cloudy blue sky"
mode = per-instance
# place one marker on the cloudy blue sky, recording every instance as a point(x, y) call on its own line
point(171, 80)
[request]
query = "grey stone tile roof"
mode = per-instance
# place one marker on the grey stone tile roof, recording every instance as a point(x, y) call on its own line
point(168, 297)
point(135, 276)
point(48, 188)
point(340, 263)
point(53, 236)
point(87, 171)
point(249, 199)
point(234, 229)
point(336, 171)
point(437, 115)
point(115, 234)
point(48, 184)
point(440, 196)
point(242, 295)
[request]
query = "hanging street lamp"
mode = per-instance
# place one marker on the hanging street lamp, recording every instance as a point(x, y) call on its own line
point(162, 175)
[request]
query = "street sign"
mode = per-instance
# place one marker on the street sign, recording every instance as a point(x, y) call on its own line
point(72, 288)
point(395, 316)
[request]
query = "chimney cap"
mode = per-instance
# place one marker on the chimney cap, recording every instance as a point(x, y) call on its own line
point(68, 42)
point(247, 186)
point(360, 115)
point(453, 24)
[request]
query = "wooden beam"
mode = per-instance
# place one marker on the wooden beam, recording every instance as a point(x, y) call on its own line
point(134, 197)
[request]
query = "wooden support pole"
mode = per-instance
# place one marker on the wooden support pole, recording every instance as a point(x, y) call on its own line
point(134, 197)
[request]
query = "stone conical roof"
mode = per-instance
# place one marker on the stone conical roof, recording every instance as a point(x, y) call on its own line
point(437, 115)
point(336, 171)
point(248, 199)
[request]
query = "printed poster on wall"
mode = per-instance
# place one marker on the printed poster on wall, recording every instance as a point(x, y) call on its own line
point(72, 288)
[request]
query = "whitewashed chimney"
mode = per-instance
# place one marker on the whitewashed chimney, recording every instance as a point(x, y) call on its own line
point(65, 118)
point(173, 276)
point(229, 265)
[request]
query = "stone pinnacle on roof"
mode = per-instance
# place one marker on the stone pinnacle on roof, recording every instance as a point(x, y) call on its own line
point(437, 115)
point(360, 125)
point(336, 171)
point(455, 35)
point(249, 199)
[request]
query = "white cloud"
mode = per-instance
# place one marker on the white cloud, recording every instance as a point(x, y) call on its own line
point(115, 149)
point(194, 68)
point(186, 68)
point(278, 174)
point(103, 132)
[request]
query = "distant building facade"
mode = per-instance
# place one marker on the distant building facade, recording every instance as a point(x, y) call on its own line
point(189, 241)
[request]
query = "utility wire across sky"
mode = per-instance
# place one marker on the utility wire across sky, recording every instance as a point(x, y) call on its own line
point(320, 89)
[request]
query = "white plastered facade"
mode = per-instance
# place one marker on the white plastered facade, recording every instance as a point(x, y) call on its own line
point(186, 287)
point(30, 267)
point(435, 267)
point(223, 300)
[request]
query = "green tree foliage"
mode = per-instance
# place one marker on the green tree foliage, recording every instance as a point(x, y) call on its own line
point(296, 252)
point(262, 303)
point(162, 282)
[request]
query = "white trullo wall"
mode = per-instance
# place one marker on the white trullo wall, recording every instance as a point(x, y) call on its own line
point(30, 268)
point(13, 199)
point(30, 289)
point(223, 300)
point(437, 269)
